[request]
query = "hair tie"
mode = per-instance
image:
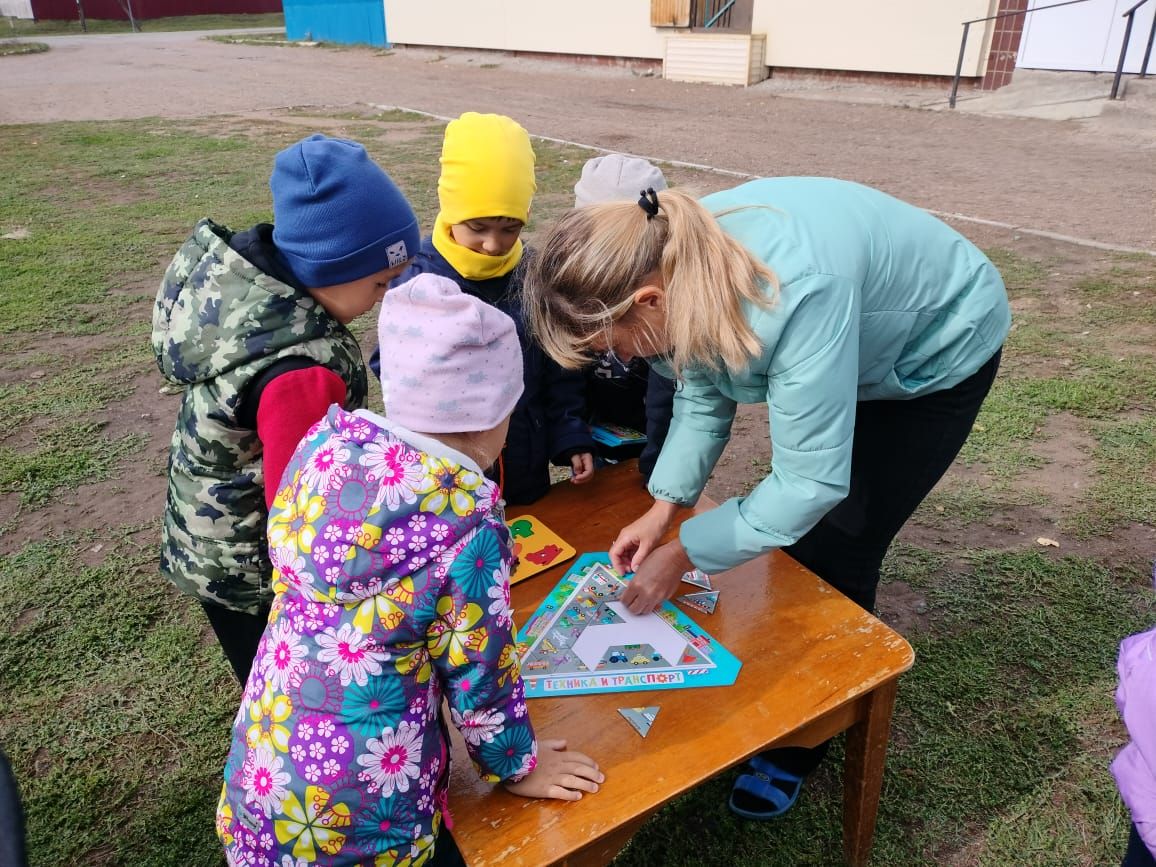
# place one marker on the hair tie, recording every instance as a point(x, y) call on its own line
point(648, 201)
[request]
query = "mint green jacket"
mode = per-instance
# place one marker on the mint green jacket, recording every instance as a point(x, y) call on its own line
point(877, 300)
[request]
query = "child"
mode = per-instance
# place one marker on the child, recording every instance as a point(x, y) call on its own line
point(633, 395)
point(251, 326)
point(1135, 767)
point(392, 591)
point(485, 189)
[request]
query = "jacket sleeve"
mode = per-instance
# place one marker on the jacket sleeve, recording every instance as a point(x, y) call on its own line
point(289, 405)
point(812, 389)
point(471, 644)
point(698, 433)
point(564, 394)
point(1136, 700)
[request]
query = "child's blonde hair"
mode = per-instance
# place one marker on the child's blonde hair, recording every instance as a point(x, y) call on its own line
point(586, 271)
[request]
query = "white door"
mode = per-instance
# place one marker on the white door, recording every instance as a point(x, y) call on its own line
point(1085, 36)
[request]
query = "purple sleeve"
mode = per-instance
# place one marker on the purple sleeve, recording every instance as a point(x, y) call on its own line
point(471, 644)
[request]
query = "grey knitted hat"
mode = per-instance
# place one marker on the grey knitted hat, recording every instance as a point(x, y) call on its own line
point(613, 177)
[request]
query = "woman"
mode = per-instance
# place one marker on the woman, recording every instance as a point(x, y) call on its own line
point(871, 330)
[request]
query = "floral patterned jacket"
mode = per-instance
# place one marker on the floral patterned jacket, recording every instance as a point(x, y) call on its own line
point(391, 564)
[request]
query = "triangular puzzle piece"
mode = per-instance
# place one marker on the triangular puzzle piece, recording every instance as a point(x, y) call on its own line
point(704, 601)
point(698, 578)
point(641, 718)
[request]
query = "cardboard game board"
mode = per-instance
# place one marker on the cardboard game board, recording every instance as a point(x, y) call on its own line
point(536, 546)
point(614, 435)
point(582, 639)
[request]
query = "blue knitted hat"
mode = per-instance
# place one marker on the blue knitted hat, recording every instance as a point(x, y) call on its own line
point(337, 216)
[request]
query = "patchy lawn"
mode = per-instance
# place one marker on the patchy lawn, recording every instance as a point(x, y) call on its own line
point(117, 703)
point(12, 47)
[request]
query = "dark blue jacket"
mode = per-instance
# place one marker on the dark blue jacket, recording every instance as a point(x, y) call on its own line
point(547, 424)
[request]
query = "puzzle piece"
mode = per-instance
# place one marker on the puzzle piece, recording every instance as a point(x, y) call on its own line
point(704, 601)
point(546, 556)
point(641, 718)
point(698, 578)
point(522, 527)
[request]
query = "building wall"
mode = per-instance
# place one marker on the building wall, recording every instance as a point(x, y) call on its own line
point(15, 8)
point(65, 10)
point(900, 36)
point(350, 22)
point(616, 28)
point(906, 36)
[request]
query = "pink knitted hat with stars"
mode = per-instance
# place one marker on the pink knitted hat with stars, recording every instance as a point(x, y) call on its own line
point(450, 363)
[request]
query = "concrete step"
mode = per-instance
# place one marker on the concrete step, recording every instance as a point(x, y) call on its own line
point(1138, 98)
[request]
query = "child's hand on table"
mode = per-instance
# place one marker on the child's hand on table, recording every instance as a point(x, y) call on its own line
point(559, 774)
point(581, 468)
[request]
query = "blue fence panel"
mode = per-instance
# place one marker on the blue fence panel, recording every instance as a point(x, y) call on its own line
point(352, 22)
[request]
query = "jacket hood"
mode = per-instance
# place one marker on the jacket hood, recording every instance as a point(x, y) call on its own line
point(215, 311)
point(366, 510)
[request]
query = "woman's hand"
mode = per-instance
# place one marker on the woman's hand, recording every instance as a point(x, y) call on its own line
point(639, 538)
point(559, 774)
point(657, 579)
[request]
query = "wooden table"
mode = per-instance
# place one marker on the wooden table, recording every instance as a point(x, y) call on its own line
point(814, 665)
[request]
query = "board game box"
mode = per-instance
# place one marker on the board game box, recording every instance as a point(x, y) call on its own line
point(615, 435)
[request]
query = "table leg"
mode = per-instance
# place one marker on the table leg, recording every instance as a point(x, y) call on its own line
point(603, 851)
point(863, 773)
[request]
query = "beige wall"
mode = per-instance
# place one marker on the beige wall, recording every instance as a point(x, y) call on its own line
point(16, 8)
point(618, 28)
point(910, 36)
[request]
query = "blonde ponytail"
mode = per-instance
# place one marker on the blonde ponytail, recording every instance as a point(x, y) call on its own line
point(586, 271)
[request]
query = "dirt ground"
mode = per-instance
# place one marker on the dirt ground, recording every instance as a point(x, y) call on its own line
point(1074, 178)
point(1061, 177)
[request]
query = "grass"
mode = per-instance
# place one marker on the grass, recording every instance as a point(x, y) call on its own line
point(279, 40)
point(989, 721)
point(67, 457)
point(1089, 353)
point(13, 47)
point(125, 707)
point(117, 703)
point(26, 27)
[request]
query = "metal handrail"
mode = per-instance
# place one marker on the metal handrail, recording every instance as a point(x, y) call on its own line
point(1130, 15)
point(967, 27)
point(704, 10)
point(727, 8)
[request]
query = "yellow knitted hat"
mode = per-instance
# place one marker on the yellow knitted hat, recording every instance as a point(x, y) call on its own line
point(487, 169)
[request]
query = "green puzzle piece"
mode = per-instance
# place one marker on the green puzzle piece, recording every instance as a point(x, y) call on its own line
point(522, 528)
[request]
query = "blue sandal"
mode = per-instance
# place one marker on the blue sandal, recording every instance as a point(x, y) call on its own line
point(760, 786)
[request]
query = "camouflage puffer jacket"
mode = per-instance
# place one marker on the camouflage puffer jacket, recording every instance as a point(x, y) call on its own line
point(218, 322)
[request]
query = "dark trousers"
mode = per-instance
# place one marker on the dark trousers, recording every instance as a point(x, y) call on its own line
point(446, 852)
point(901, 449)
point(1138, 854)
point(12, 852)
point(659, 412)
point(239, 634)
